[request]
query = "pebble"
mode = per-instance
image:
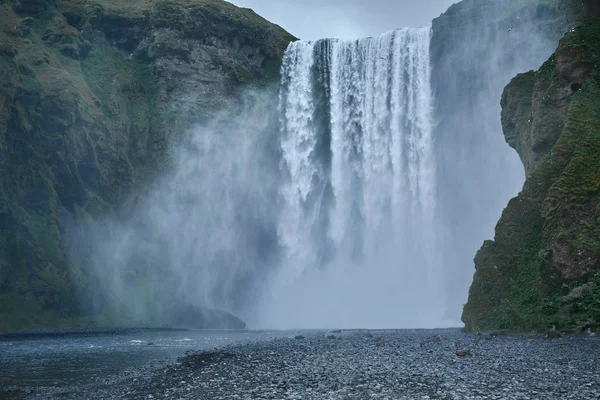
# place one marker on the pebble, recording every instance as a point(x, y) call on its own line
point(410, 366)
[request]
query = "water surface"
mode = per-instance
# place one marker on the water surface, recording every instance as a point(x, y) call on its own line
point(57, 361)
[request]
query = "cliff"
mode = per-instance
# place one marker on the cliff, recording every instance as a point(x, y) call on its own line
point(91, 94)
point(477, 47)
point(543, 268)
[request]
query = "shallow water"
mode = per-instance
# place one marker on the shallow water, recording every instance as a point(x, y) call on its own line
point(74, 360)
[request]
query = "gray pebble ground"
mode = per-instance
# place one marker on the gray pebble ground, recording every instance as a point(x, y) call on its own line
point(390, 365)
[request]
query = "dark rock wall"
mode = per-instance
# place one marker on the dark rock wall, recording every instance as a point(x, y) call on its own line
point(543, 268)
point(91, 94)
point(477, 47)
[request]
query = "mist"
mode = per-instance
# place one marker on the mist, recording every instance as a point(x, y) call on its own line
point(204, 234)
point(477, 172)
point(353, 196)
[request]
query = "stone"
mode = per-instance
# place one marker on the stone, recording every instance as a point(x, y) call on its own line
point(464, 353)
point(553, 334)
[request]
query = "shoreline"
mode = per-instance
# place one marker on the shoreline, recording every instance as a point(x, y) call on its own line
point(370, 364)
point(80, 332)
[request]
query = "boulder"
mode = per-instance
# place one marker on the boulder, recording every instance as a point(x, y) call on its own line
point(464, 353)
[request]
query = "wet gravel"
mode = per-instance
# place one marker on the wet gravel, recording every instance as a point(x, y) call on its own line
point(390, 365)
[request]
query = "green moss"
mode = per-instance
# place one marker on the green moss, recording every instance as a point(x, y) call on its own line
point(587, 306)
point(235, 70)
point(209, 15)
point(167, 14)
point(111, 76)
point(31, 315)
point(41, 225)
point(584, 40)
point(43, 20)
point(83, 127)
point(522, 303)
point(557, 207)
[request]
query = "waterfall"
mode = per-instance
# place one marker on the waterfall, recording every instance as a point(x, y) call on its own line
point(358, 203)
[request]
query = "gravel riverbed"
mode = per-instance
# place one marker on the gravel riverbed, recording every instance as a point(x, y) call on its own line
point(394, 365)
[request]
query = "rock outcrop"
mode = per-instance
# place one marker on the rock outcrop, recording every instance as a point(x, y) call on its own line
point(543, 268)
point(477, 47)
point(91, 94)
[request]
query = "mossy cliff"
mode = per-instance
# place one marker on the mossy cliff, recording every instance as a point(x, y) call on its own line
point(477, 47)
point(543, 268)
point(91, 93)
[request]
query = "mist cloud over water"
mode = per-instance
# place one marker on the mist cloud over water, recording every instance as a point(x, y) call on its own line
point(205, 233)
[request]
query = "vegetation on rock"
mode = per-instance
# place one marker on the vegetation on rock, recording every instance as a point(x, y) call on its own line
point(543, 269)
point(477, 47)
point(91, 93)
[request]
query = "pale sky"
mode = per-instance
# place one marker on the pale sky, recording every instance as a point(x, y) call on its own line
point(316, 19)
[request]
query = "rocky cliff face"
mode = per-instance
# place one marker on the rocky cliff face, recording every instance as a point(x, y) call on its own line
point(91, 93)
point(476, 49)
point(543, 268)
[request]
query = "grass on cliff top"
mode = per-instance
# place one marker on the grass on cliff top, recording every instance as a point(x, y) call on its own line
point(141, 8)
point(585, 40)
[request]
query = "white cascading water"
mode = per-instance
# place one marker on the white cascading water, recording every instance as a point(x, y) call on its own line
point(359, 201)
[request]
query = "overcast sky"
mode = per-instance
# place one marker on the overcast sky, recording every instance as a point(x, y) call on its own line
point(315, 19)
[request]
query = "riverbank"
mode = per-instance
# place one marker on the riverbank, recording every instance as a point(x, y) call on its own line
point(50, 362)
point(380, 364)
